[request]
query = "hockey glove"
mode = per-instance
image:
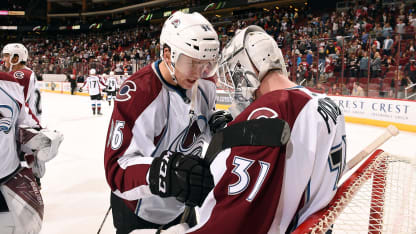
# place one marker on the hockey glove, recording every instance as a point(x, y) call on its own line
point(186, 177)
point(80, 90)
point(219, 120)
point(43, 143)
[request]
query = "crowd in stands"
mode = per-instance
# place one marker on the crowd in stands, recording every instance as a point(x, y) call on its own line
point(330, 51)
point(117, 51)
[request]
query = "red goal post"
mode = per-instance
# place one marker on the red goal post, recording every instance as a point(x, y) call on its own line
point(379, 197)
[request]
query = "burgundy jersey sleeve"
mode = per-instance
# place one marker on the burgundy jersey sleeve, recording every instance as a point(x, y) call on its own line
point(130, 137)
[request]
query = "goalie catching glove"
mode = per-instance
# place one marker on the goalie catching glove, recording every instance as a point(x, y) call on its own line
point(43, 143)
point(186, 177)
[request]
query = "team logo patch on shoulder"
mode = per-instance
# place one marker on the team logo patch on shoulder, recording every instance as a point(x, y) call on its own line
point(124, 92)
point(176, 23)
point(263, 112)
point(19, 75)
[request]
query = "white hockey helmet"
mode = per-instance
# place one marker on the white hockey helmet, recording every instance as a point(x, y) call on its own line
point(111, 73)
point(93, 71)
point(193, 36)
point(245, 60)
point(16, 49)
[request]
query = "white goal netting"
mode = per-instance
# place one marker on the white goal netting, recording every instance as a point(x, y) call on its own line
point(379, 197)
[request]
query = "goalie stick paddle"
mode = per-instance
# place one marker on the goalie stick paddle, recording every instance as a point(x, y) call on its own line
point(272, 132)
point(257, 132)
point(390, 131)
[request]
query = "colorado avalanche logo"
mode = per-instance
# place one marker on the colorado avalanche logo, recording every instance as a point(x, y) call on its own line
point(124, 93)
point(262, 112)
point(176, 23)
point(190, 141)
point(19, 75)
point(6, 117)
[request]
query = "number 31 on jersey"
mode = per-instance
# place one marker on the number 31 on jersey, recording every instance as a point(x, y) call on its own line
point(241, 165)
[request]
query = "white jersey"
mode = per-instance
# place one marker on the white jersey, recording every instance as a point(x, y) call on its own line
point(94, 85)
point(12, 115)
point(149, 117)
point(123, 78)
point(111, 84)
point(27, 79)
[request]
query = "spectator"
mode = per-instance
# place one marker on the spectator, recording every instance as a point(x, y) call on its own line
point(376, 65)
point(329, 69)
point(334, 90)
point(387, 30)
point(344, 90)
point(364, 65)
point(320, 88)
point(400, 27)
point(410, 71)
point(353, 66)
point(357, 90)
point(309, 58)
point(387, 45)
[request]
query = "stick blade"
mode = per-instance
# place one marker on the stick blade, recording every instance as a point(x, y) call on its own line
point(393, 130)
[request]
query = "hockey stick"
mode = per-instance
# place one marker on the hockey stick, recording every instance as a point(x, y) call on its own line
point(390, 131)
point(272, 132)
point(105, 218)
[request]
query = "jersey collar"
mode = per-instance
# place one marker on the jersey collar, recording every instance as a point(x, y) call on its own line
point(179, 90)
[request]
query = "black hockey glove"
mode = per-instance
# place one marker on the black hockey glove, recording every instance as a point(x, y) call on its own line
point(80, 90)
point(186, 177)
point(218, 120)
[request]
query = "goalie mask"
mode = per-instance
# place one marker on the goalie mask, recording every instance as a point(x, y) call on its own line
point(193, 43)
point(245, 61)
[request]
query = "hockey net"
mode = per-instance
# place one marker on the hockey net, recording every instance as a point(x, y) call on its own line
point(379, 197)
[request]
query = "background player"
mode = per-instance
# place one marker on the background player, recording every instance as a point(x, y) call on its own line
point(164, 106)
point(94, 85)
point(111, 87)
point(21, 205)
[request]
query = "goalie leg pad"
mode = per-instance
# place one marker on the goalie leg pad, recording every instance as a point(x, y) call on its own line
point(24, 204)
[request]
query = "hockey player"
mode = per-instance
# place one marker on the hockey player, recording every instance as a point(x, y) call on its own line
point(94, 85)
point(124, 77)
point(111, 87)
point(15, 56)
point(162, 109)
point(266, 181)
point(21, 205)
